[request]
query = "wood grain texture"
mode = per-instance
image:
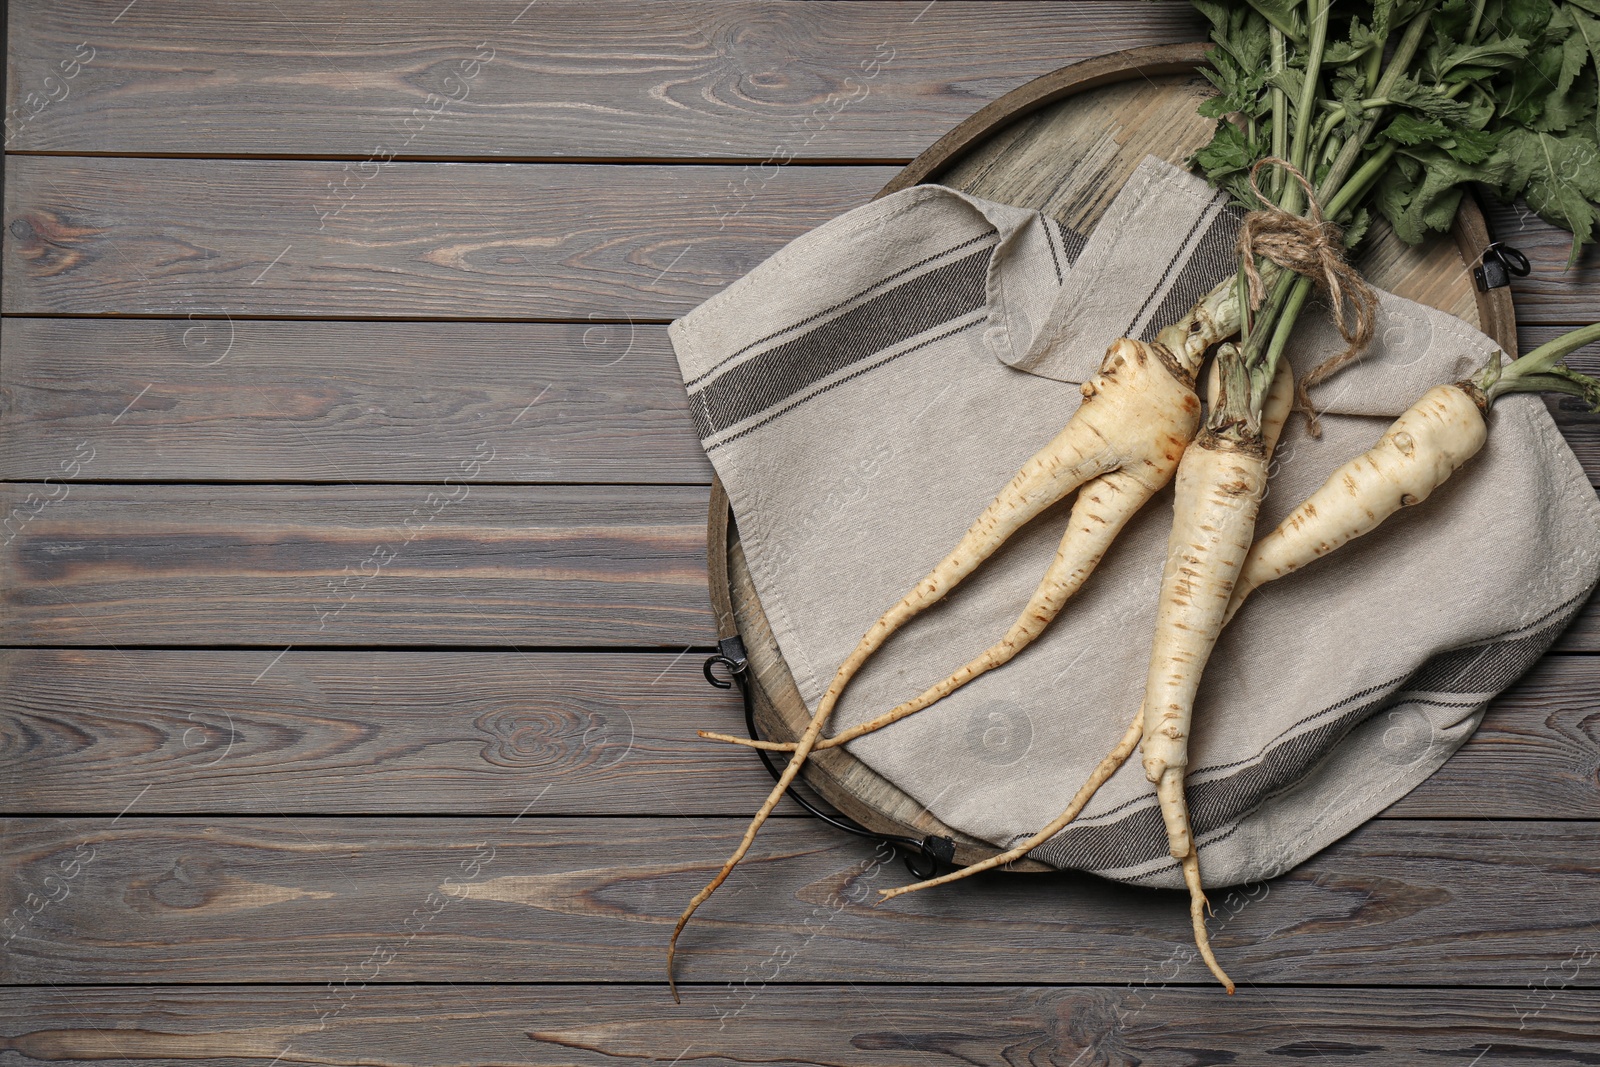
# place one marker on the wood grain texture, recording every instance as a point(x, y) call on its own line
point(750, 80)
point(343, 401)
point(460, 564)
point(457, 564)
point(253, 732)
point(1552, 293)
point(1149, 1024)
point(485, 733)
point(420, 240)
point(183, 899)
point(460, 241)
point(273, 401)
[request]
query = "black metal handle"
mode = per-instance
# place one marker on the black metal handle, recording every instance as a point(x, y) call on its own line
point(1500, 262)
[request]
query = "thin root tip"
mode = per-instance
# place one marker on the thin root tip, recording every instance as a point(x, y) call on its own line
point(729, 739)
point(672, 951)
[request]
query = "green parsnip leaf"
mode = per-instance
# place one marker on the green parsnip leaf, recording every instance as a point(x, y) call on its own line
point(1227, 160)
point(1360, 41)
point(1417, 206)
point(1411, 130)
point(1526, 18)
point(1472, 146)
point(1523, 101)
point(1430, 101)
point(1415, 100)
point(1284, 14)
point(1469, 62)
point(1587, 30)
point(1559, 176)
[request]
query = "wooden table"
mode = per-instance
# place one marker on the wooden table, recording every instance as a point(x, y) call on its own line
point(354, 584)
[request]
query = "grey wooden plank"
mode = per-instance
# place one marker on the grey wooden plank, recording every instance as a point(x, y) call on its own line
point(1149, 1022)
point(1552, 293)
point(460, 564)
point(454, 564)
point(483, 733)
point(419, 240)
point(284, 401)
point(1579, 426)
point(185, 899)
point(464, 240)
point(482, 79)
point(275, 401)
point(472, 733)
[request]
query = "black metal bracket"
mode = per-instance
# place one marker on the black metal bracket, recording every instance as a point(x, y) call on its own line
point(922, 858)
point(1499, 263)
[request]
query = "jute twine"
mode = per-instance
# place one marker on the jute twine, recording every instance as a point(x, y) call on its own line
point(1314, 247)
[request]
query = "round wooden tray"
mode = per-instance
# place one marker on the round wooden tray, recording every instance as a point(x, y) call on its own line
point(1064, 143)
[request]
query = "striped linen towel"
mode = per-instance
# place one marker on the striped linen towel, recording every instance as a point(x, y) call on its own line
point(865, 392)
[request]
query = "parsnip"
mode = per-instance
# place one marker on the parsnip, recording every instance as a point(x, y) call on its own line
point(1219, 488)
point(1426, 445)
point(1418, 453)
point(1102, 509)
point(1139, 412)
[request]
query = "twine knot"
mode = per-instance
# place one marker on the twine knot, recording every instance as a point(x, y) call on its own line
point(1312, 246)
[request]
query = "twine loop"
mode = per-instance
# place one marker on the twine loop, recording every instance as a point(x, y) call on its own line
point(1312, 246)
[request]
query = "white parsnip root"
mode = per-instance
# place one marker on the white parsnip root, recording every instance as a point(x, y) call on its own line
point(1416, 455)
point(1426, 445)
point(1419, 452)
point(1219, 488)
point(1102, 509)
point(1275, 412)
point(1139, 412)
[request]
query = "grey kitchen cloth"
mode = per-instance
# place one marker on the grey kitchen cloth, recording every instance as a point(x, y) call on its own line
point(865, 392)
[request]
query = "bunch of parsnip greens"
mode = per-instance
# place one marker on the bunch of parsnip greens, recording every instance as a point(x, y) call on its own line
point(1327, 111)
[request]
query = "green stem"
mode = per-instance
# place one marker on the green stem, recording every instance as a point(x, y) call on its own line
point(1472, 27)
point(1360, 183)
point(1256, 361)
point(1338, 195)
point(1242, 407)
point(1550, 353)
point(1321, 140)
point(1280, 109)
point(1559, 380)
point(1296, 302)
point(1542, 371)
point(1300, 146)
point(1283, 325)
point(1350, 194)
point(1350, 155)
